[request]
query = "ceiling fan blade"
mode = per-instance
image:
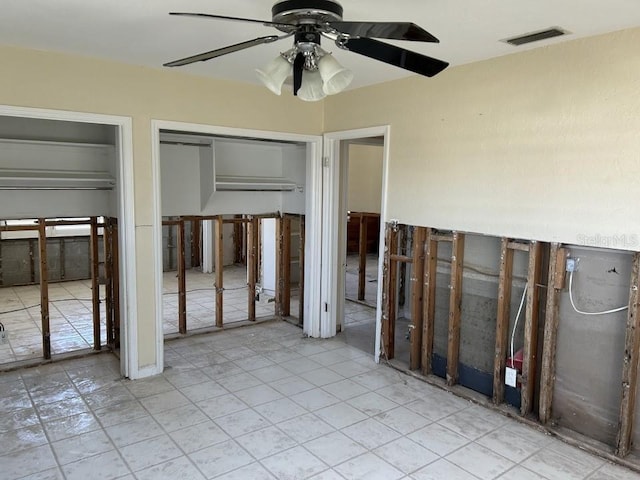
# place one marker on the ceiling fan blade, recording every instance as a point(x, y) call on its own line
point(393, 55)
point(201, 57)
point(298, 66)
point(390, 30)
point(236, 19)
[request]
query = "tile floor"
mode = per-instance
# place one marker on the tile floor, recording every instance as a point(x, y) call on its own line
point(262, 402)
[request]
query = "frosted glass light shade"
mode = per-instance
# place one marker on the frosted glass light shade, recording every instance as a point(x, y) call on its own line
point(274, 74)
point(311, 89)
point(336, 78)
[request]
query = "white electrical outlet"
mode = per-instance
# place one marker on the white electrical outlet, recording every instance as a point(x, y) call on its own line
point(572, 264)
point(4, 337)
point(511, 376)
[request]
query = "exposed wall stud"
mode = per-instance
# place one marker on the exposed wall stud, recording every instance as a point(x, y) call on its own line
point(286, 266)
point(301, 276)
point(417, 280)
point(502, 320)
point(115, 252)
point(219, 260)
point(44, 290)
point(95, 284)
point(557, 257)
point(455, 304)
point(279, 267)
point(429, 301)
point(108, 274)
point(630, 364)
point(531, 328)
point(182, 280)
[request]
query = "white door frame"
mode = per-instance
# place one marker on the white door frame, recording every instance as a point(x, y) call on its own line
point(313, 206)
point(126, 219)
point(333, 299)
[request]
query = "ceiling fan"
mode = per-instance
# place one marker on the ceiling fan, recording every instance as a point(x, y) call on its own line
point(315, 72)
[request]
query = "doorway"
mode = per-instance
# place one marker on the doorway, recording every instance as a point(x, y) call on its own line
point(354, 210)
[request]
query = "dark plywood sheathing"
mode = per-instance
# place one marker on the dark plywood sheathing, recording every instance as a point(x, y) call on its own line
point(557, 256)
point(429, 301)
point(219, 260)
point(502, 320)
point(529, 360)
point(455, 306)
point(279, 267)
point(107, 242)
point(362, 257)
point(630, 364)
point(44, 290)
point(95, 283)
point(182, 280)
point(417, 279)
point(301, 257)
point(252, 267)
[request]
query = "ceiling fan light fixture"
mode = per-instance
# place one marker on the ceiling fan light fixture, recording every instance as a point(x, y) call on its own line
point(312, 87)
point(335, 77)
point(274, 74)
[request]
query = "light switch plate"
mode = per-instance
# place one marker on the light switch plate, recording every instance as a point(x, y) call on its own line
point(511, 376)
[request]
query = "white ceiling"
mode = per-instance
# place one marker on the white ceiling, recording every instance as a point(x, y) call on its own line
point(141, 31)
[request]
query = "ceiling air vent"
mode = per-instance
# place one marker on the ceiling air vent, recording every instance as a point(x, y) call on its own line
point(536, 36)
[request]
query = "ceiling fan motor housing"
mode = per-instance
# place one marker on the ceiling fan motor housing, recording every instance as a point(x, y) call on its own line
point(300, 12)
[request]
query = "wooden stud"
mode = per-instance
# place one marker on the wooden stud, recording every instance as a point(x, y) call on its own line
point(386, 287)
point(531, 328)
point(560, 268)
point(170, 245)
point(1, 268)
point(389, 322)
point(455, 304)
point(44, 290)
point(301, 267)
point(182, 280)
point(252, 229)
point(440, 237)
point(630, 364)
point(401, 259)
point(115, 273)
point(95, 284)
point(521, 246)
point(362, 256)
point(557, 257)
point(219, 254)
point(502, 320)
point(32, 262)
point(108, 260)
point(286, 266)
point(417, 279)
point(429, 301)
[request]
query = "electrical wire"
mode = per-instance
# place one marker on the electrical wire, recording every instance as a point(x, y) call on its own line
point(573, 304)
point(515, 323)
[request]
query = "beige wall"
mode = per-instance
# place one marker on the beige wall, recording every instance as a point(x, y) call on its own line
point(54, 81)
point(544, 144)
point(365, 178)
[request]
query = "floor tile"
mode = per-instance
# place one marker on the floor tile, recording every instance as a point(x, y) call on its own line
point(134, 431)
point(322, 376)
point(370, 433)
point(442, 470)
point(164, 401)
point(180, 468)
point(239, 423)
point(203, 391)
point(280, 410)
point(106, 466)
point(180, 417)
point(334, 448)
point(372, 404)
point(610, 471)
point(292, 385)
point(520, 473)
point(509, 445)
point(345, 389)
point(197, 437)
point(469, 424)
point(253, 471)
point(405, 455)
point(22, 439)
point(314, 399)
point(368, 467)
point(294, 464)
point(221, 458)
point(305, 427)
point(26, 462)
point(266, 442)
point(340, 415)
point(221, 405)
point(150, 452)
point(402, 420)
point(330, 474)
point(480, 461)
point(438, 439)
point(86, 445)
point(555, 466)
point(258, 395)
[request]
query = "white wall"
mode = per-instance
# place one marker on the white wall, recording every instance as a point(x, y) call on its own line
point(537, 145)
point(365, 178)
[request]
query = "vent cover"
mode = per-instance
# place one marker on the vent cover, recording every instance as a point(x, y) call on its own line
point(536, 36)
